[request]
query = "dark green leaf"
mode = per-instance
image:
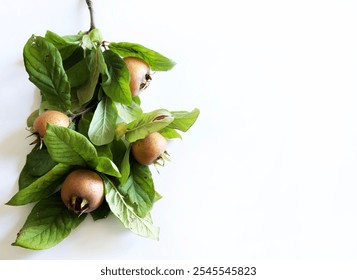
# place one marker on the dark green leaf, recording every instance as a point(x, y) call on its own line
point(38, 162)
point(43, 63)
point(77, 56)
point(48, 224)
point(101, 212)
point(118, 149)
point(105, 151)
point(156, 61)
point(116, 79)
point(84, 122)
point(45, 105)
point(69, 147)
point(125, 166)
point(139, 189)
point(42, 187)
point(78, 74)
point(126, 214)
point(95, 64)
point(102, 127)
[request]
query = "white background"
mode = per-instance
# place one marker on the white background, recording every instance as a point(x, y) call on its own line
point(268, 171)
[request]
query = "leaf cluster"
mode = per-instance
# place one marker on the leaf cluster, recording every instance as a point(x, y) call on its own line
point(87, 79)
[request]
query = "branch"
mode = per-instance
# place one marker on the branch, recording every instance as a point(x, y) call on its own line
point(91, 13)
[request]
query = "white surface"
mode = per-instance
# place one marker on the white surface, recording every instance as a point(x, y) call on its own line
point(269, 169)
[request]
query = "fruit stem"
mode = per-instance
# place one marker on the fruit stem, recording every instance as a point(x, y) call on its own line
point(81, 113)
point(91, 14)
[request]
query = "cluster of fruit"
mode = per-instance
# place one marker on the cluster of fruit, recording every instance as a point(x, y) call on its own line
point(83, 190)
point(94, 144)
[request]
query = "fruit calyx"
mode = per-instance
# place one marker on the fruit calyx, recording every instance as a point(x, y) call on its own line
point(145, 83)
point(78, 204)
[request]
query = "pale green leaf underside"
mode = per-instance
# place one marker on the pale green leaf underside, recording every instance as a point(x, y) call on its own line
point(183, 120)
point(102, 127)
point(126, 214)
point(149, 122)
point(139, 189)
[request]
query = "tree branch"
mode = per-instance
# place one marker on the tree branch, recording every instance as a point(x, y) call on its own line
point(91, 13)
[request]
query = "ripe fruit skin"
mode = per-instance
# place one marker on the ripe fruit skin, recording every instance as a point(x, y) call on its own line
point(52, 117)
point(139, 72)
point(148, 150)
point(82, 191)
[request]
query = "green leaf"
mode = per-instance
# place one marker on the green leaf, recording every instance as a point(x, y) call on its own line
point(156, 61)
point(74, 58)
point(48, 224)
point(118, 149)
point(157, 197)
point(139, 189)
point(66, 45)
point(43, 63)
point(42, 187)
point(137, 100)
point(105, 151)
point(129, 113)
point(116, 79)
point(125, 166)
point(87, 42)
point(74, 38)
point(126, 214)
point(84, 123)
point(78, 74)
point(38, 162)
point(120, 130)
point(170, 133)
point(95, 35)
point(183, 120)
point(31, 118)
point(96, 63)
point(46, 106)
point(102, 127)
point(69, 147)
point(106, 166)
point(149, 122)
point(101, 212)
